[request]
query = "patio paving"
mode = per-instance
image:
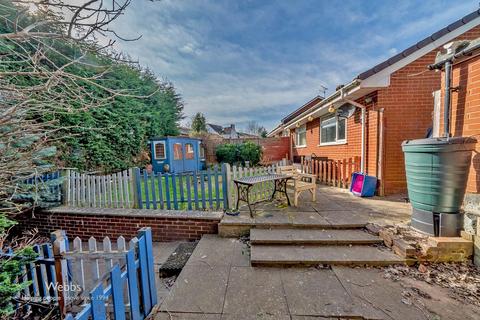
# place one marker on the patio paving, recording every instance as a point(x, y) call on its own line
point(332, 205)
point(219, 283)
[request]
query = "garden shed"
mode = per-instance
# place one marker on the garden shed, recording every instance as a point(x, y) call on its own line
point(177, 154)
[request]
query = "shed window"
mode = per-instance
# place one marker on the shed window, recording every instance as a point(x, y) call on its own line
point(202, 150)
point(189, 153)
point(159, 150)
point(177, 151)
point(332, 130)
point(301, 136)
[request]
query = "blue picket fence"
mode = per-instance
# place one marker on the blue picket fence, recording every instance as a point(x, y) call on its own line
point(126, 289)
point(137, 276)
point(204, 190)
point(41, 275)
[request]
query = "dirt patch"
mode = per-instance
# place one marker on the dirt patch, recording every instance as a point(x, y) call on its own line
point(177, 260)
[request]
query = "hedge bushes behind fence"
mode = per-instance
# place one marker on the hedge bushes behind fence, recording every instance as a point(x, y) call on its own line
point(234, 154)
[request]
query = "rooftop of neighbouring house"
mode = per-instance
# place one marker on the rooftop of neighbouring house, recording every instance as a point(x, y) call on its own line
point(218, 129)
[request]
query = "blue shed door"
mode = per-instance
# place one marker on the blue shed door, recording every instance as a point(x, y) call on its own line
point(190, 161)
point(177, 162)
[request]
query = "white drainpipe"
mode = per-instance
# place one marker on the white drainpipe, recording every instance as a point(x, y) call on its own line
point(363, 147)
point(362, 161)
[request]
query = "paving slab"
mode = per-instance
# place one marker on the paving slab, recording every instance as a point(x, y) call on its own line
point(198, 289)
point(440, 302)
point(213, 250)
point(313, 318)
point(312, 292)
point(377, 297)
point(312, 236)
point(309, 219)
point(327, 204)
point(281, 205)
point(186, 316)
point(241, 254)
point(258, 316)
point(344, 219)
point(276, 255)
point(162, 250)
point(255, 291)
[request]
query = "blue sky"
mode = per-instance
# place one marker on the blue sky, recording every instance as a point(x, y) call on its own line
point(237, 61)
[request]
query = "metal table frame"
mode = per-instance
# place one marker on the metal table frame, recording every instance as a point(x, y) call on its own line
point(244, 184)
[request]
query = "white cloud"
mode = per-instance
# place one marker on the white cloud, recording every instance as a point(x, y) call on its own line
point(225, 62)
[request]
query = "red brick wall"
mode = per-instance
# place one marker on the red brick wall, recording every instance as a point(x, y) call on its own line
point(275, 149)
point(408, 108)
point(408, 103)
point(99, 226)
point(352, 147)
point(465, 111)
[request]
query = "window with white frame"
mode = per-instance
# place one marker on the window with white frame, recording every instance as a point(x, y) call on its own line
point(332, 130)
point(301, 136)
point(159, 150)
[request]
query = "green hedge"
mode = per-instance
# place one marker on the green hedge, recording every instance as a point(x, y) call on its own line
point(235, 154)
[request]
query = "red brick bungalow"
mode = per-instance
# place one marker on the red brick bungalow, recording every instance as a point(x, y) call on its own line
point(465, 109)
point(397, 97)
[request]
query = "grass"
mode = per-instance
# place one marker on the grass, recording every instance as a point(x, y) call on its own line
point(182, 190)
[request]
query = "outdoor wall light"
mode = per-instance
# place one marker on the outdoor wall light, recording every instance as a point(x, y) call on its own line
point(331, 109)
point(310, 118)
point(297, 124)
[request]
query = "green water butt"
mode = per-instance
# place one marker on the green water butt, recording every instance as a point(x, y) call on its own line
point(437, 171)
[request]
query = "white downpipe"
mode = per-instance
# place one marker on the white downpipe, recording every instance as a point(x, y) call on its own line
point(362, 159)
point(363, 147)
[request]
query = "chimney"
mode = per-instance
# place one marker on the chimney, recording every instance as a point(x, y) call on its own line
point(232, 126)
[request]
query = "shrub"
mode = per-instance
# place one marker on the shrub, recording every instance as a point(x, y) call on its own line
point(228, 152)
point(252, 152)
point(239, 153)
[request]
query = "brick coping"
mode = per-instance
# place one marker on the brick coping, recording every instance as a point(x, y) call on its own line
point(134, 213)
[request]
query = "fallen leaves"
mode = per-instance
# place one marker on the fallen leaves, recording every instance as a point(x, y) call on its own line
point(461, 279)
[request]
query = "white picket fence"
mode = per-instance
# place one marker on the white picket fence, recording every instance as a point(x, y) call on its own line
point(91, 260)
point(259, 192)
point(106, 191)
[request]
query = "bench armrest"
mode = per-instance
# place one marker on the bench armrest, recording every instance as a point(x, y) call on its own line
point(308, 175)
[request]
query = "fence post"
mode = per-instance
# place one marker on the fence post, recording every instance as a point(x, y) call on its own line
point(135, 186)
point(66, 187)
point(61, 273)
point(227, 180)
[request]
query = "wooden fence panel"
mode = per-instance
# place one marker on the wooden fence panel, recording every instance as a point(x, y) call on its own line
point(337, 173)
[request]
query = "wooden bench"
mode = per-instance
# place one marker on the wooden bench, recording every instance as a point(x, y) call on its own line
point(300, 182)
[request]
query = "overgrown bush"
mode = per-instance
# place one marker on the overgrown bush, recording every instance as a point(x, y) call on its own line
point(235, 154)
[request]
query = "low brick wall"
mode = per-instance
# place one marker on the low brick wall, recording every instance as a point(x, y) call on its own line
point(167, 225)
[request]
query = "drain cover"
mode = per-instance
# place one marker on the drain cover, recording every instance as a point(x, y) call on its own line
point(177, 260)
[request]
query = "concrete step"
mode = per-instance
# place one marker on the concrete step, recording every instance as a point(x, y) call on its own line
point(312, 236)
point(239, 226)
point(288, 255)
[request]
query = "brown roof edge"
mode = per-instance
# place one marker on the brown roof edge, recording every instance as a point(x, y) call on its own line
point(302, 109)
point(419, 45)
